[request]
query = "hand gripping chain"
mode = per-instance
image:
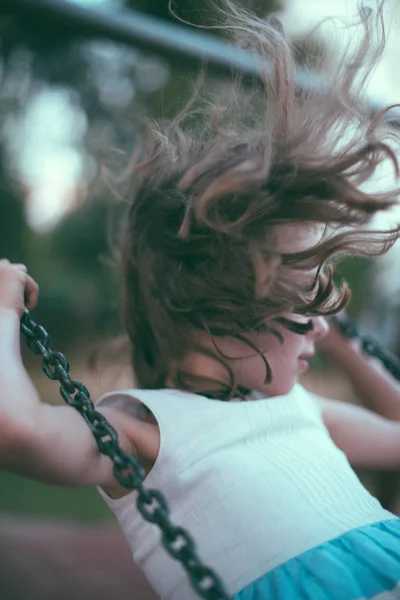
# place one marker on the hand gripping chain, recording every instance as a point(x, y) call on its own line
point(127, 469)
point(369, 346)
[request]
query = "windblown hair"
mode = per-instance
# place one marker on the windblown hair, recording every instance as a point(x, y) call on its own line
point(210, 187)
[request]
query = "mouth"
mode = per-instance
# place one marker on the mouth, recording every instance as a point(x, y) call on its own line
point(303, 362)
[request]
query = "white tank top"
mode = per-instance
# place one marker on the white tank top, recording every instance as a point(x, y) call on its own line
point(255, 483)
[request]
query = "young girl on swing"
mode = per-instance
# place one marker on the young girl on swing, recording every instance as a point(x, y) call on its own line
point(227, 270)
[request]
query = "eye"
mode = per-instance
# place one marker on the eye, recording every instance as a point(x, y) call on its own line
point(309, 325)
point(301, 319)
point(299, 324)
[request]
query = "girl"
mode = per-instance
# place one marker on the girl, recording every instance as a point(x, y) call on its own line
point(227, 271)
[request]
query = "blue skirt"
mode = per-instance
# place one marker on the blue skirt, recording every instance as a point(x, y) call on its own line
point(363, 563)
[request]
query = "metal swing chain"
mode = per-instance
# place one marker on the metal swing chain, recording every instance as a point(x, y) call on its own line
point(127, 469)
point(369, 346)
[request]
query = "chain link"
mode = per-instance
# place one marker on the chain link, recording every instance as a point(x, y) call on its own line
point(369, 346)
point(127, 468)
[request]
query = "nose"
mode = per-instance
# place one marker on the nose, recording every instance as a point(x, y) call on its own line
point(321, 328)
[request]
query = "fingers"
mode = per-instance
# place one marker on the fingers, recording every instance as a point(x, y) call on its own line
point(31, 293)
point(17, 288)
point(6, 262)
point(21, 267)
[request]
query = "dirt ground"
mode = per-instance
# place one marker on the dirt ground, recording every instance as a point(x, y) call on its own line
point(53, 561)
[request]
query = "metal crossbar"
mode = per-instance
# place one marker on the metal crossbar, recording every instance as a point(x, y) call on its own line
point(181, 45)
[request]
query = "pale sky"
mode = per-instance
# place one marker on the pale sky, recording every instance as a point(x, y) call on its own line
point(301, 15)
point(50, 161)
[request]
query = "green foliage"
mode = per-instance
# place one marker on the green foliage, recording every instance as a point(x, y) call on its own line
point(13, 230)
point(355, 271)
point(21, 496)
point(79, 285)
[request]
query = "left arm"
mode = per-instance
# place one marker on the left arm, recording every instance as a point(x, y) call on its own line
point(373, 385)
point(368, 440)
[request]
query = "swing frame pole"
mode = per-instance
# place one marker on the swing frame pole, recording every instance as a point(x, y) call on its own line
point(180, 45)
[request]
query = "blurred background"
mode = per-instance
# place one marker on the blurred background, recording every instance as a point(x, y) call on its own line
point(69, 104)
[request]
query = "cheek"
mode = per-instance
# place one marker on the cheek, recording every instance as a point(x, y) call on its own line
point(250, 368)
point(272, 347)
point(283, 358)
point(292, 346)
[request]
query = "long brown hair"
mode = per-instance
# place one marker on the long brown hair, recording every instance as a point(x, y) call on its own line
point(210, 187)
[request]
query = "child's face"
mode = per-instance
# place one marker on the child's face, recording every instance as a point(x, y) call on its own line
point(287, 360)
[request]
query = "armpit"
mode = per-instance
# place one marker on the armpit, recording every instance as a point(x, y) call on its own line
point(130, 404)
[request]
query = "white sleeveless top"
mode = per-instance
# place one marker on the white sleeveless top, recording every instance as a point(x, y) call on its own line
point(255, 483)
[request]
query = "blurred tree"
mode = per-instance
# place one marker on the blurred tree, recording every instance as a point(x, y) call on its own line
point(13, 229)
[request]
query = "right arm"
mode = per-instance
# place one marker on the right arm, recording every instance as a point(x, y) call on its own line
point(369, 441)
point(52, 444)
point(375, 387)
